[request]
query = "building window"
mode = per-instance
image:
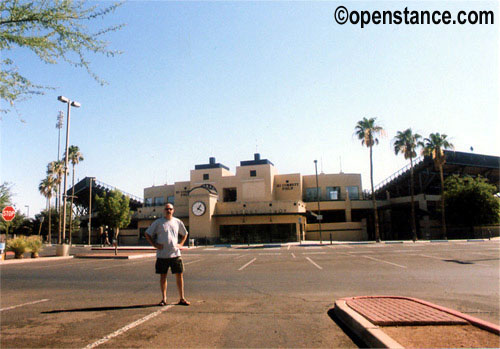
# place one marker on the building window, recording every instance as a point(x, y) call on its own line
point(333, 193)
point(229, 194)
point(205, 176)
point(253, 173)
point(159, 201)
point(148, 202)
point(171, 199)
point(353, 192)
point(312, 194)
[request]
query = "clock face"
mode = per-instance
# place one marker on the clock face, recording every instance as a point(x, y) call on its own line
point(198, 208)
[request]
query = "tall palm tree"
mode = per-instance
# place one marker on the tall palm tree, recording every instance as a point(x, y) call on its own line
point(434, 146)
point(55, 169)
point(46, 188)
point(406, 143)
point(75, 157)
point(367, 131)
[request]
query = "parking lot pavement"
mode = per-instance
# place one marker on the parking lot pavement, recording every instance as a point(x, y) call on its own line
point(258, 297)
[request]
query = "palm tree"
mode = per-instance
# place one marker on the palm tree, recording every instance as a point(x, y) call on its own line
point(406, 143)
point(367, 131)
point(75, 157)
point(46, 188)
point(434, 146)
point(55, 169)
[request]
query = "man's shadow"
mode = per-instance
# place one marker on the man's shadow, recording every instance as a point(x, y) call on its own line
point(138, 306)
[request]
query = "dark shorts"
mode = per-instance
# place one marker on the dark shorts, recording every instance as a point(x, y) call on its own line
point(162, 265)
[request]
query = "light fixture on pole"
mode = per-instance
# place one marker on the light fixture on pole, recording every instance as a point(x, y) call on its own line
point(28, 207)
point(319, 217)
point(66, 155)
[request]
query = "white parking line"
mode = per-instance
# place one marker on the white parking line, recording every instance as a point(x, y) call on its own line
point(241, 256)
point(21, 305)
point(427, 256)
point(127, 327)
point(289, 247)
point(62, 264)
point(122, 265)
point(198, 260)
point(313, 263)
point(380, 260)
point(339, 246)
point(246, 265)
point(449, 259)
point(212, 249)
point(293, 255)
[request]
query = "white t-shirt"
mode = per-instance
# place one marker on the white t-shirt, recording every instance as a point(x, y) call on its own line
point(166, 232)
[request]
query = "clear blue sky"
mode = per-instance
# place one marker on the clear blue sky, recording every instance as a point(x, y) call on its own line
point(224, 79)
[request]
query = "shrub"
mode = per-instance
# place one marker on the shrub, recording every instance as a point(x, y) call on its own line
point(18, 245)
point(34, 243)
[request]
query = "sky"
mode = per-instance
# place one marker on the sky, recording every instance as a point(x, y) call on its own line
point(228, 79)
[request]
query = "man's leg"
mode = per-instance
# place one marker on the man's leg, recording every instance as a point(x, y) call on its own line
point(180, 287)
point(163, 285)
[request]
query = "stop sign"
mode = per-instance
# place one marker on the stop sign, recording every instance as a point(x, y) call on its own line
point(8, 213)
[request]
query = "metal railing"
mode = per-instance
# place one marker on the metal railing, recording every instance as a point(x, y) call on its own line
point(398, 173)
point(110, 187)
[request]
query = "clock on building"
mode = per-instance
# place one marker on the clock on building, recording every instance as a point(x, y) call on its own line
point(198, 208)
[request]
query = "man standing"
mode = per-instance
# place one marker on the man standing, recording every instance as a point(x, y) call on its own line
point(163, 234)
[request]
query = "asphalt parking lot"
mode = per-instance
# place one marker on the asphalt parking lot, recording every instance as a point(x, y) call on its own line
point(240, 297)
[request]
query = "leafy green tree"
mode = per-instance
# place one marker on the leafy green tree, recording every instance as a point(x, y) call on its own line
point(434, 147)
point(406, 142)
point(22, 225)
point(471, 201)
point(5, 195)
point(75, 156)
point(367, 131)
point(114, 210)
point(56, 31)
point(5, 200)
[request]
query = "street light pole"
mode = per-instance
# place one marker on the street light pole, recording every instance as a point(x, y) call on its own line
point(66, 156)
point(28, 207)
point(59, 125)
point(317, 197)
point(90, 208)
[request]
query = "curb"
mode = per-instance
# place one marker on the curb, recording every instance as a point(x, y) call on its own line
point(485, 325)
point(32, 260)
point(371, 334)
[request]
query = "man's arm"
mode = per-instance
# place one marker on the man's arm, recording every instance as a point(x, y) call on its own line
point(151, 242)
point(184, 237)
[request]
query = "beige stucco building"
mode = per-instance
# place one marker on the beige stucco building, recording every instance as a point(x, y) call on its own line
point(257, 204)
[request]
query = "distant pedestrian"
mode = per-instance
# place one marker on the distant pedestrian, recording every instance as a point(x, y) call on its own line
point(106, 238)
point(163, 234)
point(102, 236)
